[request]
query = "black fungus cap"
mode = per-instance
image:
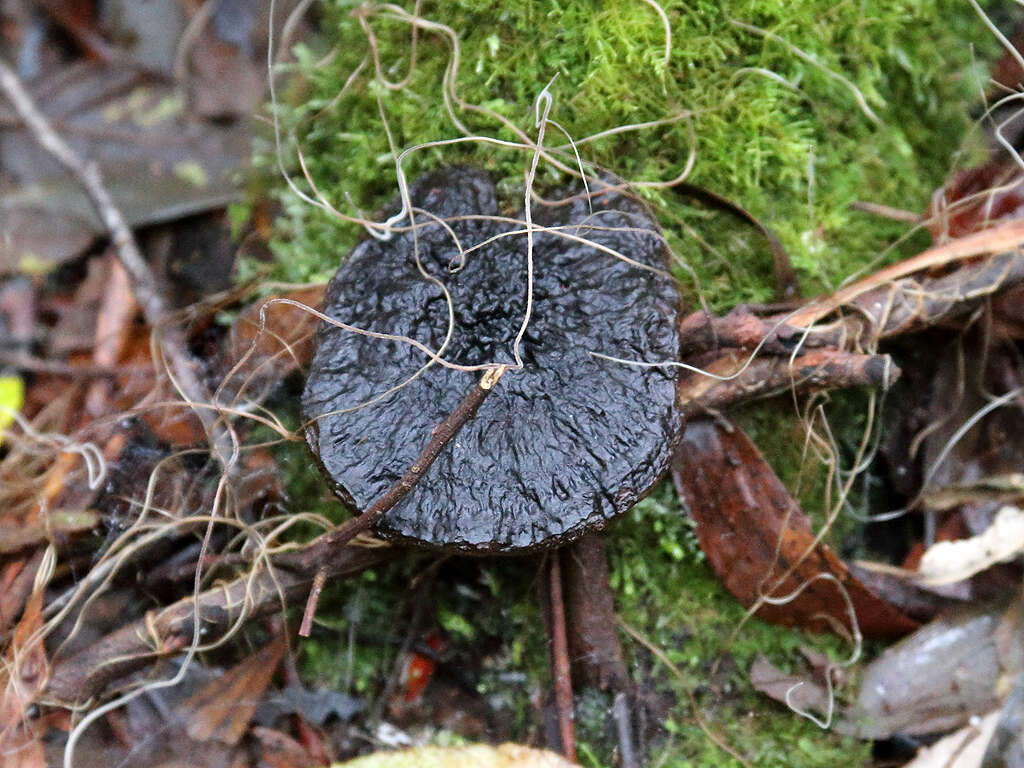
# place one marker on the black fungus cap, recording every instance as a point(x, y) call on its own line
point(561, 446)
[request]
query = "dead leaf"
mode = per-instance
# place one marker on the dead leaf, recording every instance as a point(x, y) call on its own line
point(939, 677)
point(976, 197)
point(222, 709)
point(16, 581)
point(947, 562)
point(473, 756)
point(1006, 748)
point(22, 676)
point(158, 163)
point(803, 693)
point(963, 749)
point(159, 404)
point(270, 339)
point(753, 533)
point(34, 241)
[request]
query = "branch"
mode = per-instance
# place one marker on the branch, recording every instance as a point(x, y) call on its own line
point(167, 631)
point(767, 376)
point(891, 303)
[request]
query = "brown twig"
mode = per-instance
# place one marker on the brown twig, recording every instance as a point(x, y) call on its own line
point(767, 376)
point(306, 627)
point(32, 364)
point(887, 212)
point(703, 332)
point(169, 630)
point(594, 643)
point(560, 661)
point(144, 283)
point(1004, 238)
point(890, 303)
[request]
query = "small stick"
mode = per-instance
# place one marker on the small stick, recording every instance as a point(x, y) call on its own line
point(144, 284)
point(311, 602)
point(560, 662)
point(442, 434)
point(817, 370)
point(887, 212)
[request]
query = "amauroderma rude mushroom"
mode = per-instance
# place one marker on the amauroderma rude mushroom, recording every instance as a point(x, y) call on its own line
point(564, 443)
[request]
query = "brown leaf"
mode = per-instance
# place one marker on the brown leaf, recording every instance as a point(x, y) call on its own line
point(753, 533)
point(16, 578)
point(973, 198)
point(40, 241)
point(140, 387)
point(22, 676)
point(270, 339)
point(939, 677)
point(797, 692)
point(158, 162)
point(279, 750)
point(222, 709)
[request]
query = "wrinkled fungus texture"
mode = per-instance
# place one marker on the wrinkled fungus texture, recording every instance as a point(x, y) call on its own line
point(558, 447)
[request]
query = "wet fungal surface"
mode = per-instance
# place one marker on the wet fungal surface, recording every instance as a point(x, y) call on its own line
point(560, 446)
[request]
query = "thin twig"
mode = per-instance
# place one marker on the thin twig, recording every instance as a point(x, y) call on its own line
point(560, 662)
point(442, 435)
point(144, 284)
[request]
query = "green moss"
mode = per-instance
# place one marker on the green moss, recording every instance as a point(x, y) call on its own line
point(666, 590)
point(781, 136)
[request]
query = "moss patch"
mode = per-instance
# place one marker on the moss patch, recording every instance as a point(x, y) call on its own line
point(790, 139)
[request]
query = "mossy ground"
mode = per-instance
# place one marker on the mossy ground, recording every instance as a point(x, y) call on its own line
point(781, 136)
point(784, 137)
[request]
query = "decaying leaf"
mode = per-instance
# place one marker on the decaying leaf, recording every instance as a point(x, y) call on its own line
point(963, 749)
point(270, 339)
point(158, 163)
point(800, 692)
point(754, 534)
point(222, 709)
point(22, 677)
point(947, 562)
point(473, 756)
point(939, 677)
